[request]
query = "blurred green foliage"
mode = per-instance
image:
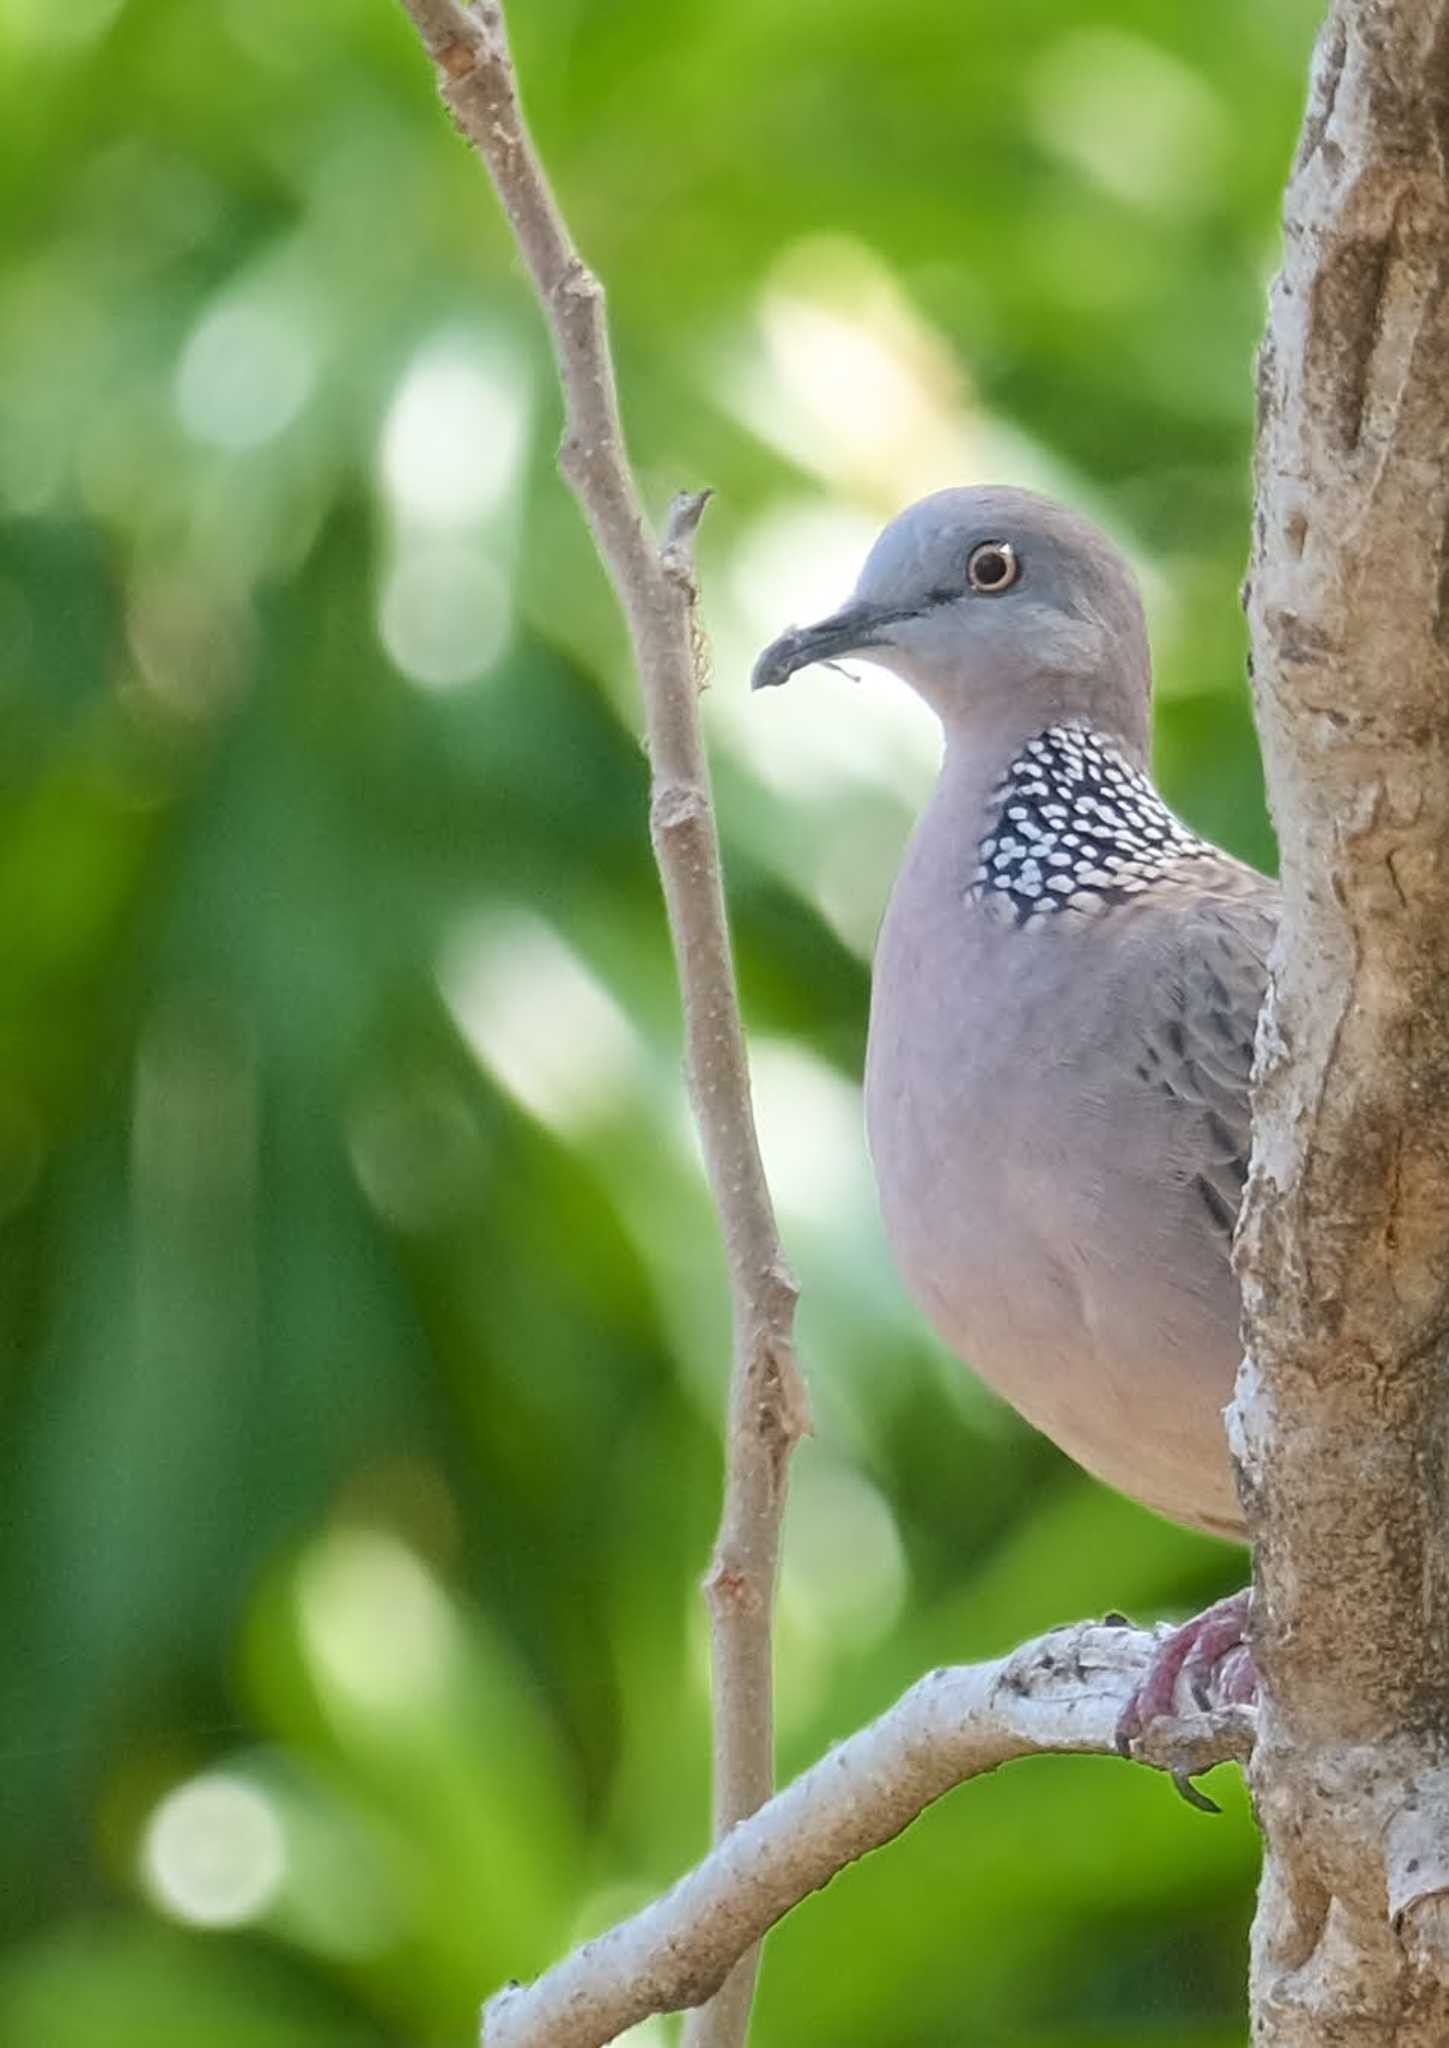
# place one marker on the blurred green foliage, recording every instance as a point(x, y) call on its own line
point(362, 1327)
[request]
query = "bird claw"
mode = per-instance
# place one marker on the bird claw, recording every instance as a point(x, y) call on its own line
point(1194, 1794)
point(1209, 1658)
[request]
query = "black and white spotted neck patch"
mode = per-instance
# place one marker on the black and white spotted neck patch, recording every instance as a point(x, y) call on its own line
point(1075, 826)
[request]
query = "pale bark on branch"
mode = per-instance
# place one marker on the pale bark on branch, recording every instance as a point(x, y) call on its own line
point(1340, 1416)
point(655, 586)
point(1062, 1693)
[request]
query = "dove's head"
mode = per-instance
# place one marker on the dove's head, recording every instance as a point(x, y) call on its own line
point(1003, 609)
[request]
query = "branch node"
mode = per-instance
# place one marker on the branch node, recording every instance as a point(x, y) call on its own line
point(676, 555)
point(677, 807)
point(780, 1291)
point(729, 1585)
point(784, 1405)
point(456, 58)
point(577, 281)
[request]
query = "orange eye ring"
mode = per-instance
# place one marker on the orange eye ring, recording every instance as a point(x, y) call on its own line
point(992, 567)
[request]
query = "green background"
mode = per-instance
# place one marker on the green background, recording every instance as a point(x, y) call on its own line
point(362, 1329)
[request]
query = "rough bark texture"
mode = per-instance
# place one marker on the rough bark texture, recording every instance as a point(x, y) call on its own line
point(1340, 1416)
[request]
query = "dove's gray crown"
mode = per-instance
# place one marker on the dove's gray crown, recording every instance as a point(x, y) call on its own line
point(1063, 1007)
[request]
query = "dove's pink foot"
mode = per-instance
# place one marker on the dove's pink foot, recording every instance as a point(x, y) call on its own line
point(1211, 1657)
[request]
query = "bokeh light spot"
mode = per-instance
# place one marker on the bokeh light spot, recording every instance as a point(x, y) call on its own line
point(44, 22)
point(844, 1569)
point(444, 615)
point(245, 373)
point(454, 436)
point(213, 1852)
point(810, 1133)
point(1130, 116)
point(377, 1627)
point(539, 1019)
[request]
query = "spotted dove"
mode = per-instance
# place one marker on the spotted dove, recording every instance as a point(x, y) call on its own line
point(1066, 990)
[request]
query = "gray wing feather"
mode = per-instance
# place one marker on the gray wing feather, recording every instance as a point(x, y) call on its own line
point(1197, 1038)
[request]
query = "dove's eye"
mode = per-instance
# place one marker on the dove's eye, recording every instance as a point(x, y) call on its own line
point(993, 567)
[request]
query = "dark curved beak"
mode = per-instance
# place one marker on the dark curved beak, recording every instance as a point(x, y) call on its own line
point(852, 630)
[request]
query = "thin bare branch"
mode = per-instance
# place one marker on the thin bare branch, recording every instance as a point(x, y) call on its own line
point(655, 586)
point(1062, 1693)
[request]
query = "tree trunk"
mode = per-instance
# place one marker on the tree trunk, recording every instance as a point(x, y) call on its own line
point(1339, 1423)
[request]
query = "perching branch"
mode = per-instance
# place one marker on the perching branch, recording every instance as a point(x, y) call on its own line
point(1340, 1416)
point(1062, 1693)
point(655, 586)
